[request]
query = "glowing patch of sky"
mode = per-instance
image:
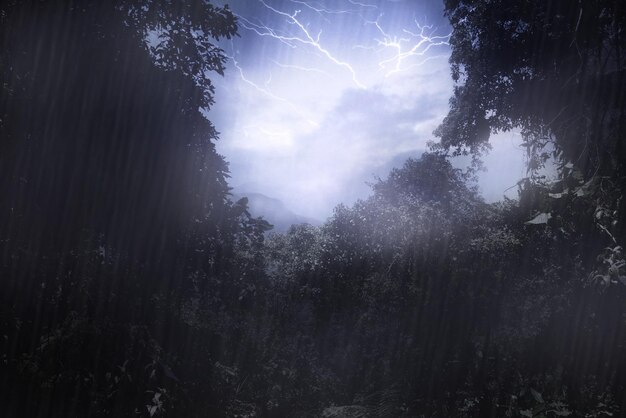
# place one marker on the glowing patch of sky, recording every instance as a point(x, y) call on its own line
point(321, 97)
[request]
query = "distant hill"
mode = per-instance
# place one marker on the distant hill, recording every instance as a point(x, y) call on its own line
point(273, 211)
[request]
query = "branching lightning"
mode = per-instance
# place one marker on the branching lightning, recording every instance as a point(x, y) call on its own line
point(394, 51)
point(357, 3)
point(301, 68)
point(411, 45)
point(305, 38)
point(321, 10)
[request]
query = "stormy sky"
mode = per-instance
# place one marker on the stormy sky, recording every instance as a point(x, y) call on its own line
point(322, 97)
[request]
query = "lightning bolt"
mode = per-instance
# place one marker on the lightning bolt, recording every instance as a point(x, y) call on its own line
point(305, 37)
point(321, 10)
point(414, 44)
point(356, 3)
point(417, 44)
point(263, 30)
point(301, 68)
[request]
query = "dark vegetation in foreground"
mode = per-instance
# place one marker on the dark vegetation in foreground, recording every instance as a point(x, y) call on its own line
point(130, 285)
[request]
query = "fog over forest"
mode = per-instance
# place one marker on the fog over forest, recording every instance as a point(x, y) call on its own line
point(311, 208)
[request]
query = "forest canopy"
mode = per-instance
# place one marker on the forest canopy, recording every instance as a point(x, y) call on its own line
point(131, 283)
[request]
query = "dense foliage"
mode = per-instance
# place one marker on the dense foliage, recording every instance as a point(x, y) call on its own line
point(131, 285)
point(117, 234)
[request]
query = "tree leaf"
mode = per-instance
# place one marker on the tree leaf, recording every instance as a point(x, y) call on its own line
point(536, 394)
point(542, 218)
